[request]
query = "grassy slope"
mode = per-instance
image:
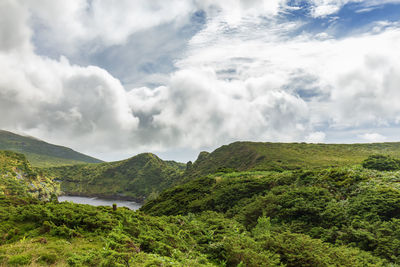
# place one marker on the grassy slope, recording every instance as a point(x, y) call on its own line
point(40, 153)
point(138, 177)
point(243, 156)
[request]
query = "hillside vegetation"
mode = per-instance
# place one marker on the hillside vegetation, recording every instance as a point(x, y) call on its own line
point(145, 175)
point(243, 156)
point(139, 177)
point(354, 207)
point(19, 181)
point(67, 234)
point(307, 213)
point(40, 153)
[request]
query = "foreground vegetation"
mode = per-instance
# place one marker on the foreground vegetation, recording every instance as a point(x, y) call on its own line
point(355, 207)
point(81, 235)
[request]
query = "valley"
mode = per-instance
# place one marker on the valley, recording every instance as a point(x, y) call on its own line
point(198, 133)
point(244, 204)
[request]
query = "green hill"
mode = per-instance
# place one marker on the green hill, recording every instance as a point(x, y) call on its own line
point(40, 153)
point(242, 156)
point(137, 178)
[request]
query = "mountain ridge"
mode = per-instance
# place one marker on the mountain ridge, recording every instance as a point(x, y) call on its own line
point(268, 156)
point(41, 153)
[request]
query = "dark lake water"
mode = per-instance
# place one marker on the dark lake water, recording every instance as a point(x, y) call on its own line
point(94, 201)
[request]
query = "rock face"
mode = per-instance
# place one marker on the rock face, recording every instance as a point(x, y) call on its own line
point(19, 179)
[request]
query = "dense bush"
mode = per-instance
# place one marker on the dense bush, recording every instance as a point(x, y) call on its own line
point(19, 260)
point(122, 237)
point(342, 206)
point(381, 163)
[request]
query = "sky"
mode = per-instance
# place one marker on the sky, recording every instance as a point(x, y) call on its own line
point(114, 78)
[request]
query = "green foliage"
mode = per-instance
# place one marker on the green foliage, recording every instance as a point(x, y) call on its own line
point(19, 260)
point(354, 207)
point(83, 235)
point(301, 250)
point(48, 258)
point(42, 154)
point(218, 192)
point(381, 163)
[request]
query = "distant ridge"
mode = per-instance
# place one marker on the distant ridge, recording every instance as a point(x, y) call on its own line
point(40, 153)
point(244, 156)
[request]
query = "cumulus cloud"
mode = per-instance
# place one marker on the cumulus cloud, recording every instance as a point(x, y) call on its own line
point(337, 77)
point(70, 24)
point(197, 109)
point(54, 99)
point(61, 100)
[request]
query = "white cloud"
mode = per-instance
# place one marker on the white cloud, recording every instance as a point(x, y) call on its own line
point(14, 34)
point(70, 24)
point(373, 137)
point(234, 11)
point(55, 100)
point(351, 75)
point(197, 109)
point(323, 8)
point(315, 137)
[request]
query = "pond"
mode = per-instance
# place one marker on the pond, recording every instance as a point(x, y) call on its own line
point(94, 201)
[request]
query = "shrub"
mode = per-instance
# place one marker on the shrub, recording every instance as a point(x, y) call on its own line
point(48, 258)
point(381, 163)
point(19, 260)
